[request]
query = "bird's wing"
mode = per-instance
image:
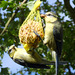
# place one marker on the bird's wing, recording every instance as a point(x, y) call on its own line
point(31, 65)
point(58, 35)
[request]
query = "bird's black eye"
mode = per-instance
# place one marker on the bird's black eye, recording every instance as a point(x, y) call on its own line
point(9, 51)
point(48, 14)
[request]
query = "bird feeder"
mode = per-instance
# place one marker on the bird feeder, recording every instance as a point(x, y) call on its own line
point(32, 23)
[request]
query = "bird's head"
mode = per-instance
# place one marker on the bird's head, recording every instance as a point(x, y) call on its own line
point(12, 49)
point(50, 17)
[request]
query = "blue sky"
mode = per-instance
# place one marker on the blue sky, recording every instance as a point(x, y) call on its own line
point(8, 62)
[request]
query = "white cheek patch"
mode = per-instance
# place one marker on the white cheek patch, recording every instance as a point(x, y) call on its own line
point(49, 16)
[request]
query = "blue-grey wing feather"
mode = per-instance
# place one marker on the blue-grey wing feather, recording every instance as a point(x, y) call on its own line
point(58, 35)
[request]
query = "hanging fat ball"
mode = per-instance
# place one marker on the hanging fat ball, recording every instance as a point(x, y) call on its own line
point(31, 23)
point(32, 60)
point(27, 35)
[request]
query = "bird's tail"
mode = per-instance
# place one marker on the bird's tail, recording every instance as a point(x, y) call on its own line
point(56, 59)
point(57, 64)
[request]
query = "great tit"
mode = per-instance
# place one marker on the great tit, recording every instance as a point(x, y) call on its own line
point(53, 37)
point(28, 59)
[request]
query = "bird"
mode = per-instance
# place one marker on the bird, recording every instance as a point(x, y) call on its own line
point(28, 59)
point(53, 37)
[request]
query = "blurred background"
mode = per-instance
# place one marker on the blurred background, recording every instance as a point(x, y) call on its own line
point(65, 9)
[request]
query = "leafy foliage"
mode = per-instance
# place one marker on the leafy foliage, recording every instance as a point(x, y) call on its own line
point(10, 36)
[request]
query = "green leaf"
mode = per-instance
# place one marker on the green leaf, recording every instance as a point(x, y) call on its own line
point(4, 71)
point(30, 4)
point(4, 4)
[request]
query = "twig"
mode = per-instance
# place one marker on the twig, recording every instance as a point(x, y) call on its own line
point(12, 17)
point(70, 9)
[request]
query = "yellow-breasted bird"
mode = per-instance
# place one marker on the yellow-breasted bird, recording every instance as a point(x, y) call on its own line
point(53, 36)
point(31, 59)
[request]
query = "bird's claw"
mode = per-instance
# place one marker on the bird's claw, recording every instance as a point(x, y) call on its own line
point(38, 35)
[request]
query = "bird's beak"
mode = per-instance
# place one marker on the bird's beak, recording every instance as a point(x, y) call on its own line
point(43, 15)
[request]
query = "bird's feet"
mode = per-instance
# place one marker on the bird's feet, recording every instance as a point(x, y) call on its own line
point(38, 35)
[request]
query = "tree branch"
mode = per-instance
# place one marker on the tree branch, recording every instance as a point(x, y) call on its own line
point(12, 17)
point(70, 9)
point(70, 73)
